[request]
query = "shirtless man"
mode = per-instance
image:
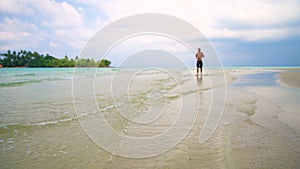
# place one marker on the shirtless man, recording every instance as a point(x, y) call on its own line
point(199, 56)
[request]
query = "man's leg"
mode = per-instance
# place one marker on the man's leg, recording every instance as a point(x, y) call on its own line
point(197, 68)
point(201, 64)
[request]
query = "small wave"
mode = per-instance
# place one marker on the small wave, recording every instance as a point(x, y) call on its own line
point(172, 96)
point(56, 121)
point(38, 123)
point(53, 122)
point(11, 84)
point(10, 141)
point(28, 74)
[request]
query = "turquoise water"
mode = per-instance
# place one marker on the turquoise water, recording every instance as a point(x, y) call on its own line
point(38, 96)
point(19, 76)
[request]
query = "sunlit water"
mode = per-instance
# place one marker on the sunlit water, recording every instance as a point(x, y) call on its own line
point(40, 128)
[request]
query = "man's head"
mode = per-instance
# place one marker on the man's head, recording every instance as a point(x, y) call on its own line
point(199, 49)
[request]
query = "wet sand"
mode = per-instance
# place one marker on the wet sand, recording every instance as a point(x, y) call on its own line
point(291, 79)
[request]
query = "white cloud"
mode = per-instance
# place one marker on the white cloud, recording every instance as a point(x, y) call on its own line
point(135, 44)
point(43, 21)
point(35, 23)
point(50, 12)
point(53, 44)
point(59, 14)
point(17, 34)
point(247, 19)
point(14, 6)
point(261, 34)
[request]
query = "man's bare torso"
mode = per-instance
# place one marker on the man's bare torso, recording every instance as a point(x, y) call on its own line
point(199, 55)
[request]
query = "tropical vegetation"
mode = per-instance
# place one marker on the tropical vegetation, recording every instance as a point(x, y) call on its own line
point(25, 58)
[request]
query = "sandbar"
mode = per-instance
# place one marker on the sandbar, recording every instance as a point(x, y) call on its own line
point(290, 79)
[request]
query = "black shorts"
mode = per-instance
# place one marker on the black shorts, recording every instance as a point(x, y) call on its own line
point(199, 63)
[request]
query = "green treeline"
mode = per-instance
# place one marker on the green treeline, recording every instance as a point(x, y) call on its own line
point(25, 58)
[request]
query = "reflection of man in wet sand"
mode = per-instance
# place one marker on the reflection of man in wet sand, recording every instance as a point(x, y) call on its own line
point(199, 56)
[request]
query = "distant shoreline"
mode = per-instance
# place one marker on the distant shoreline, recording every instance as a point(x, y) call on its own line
point(225, 67)
point(56, 67)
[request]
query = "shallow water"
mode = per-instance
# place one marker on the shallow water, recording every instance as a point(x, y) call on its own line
point(40, 128)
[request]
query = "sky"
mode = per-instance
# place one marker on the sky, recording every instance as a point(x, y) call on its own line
point(243, 32)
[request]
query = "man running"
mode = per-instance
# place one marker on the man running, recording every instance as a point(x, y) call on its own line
point(199, 56)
